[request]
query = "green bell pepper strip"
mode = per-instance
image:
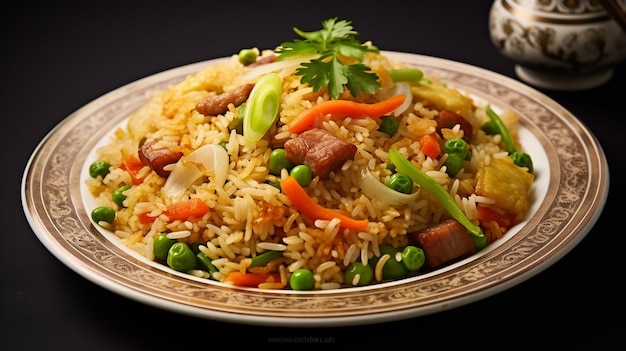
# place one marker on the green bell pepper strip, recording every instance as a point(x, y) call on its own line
point(440, 194)
point(520, 158)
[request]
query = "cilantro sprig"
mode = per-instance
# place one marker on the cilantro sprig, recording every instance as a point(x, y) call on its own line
point(334, 42)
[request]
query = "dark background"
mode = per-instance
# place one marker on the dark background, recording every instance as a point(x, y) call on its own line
point(55, 59)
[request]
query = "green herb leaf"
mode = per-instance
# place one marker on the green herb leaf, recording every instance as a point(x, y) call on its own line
point(335, 40)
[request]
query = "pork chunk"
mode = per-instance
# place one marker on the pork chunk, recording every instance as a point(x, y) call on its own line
point(444, 242)
point(321, 151)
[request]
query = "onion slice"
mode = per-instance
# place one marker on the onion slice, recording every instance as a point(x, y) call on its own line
point(285, 66)
point(374, 189)
point(397, 89)
point(206, 159)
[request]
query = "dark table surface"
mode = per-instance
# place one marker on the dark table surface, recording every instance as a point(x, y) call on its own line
point(54, 61)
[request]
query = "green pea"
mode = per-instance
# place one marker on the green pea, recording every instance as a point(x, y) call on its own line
point(118, 195)
point(393, 268)
point(247, 56)
point(99, 168)
point(413, 257)
point(106, 214)
point(263, 259)
point(454, 164)
point(302, 174)
point(180, 257)
point(522, 159)
point(400, 182)
point(161, 246)
point(278, 161)
point(302, 279)
point(457, 146)
point(364, 271)
point(389, 125)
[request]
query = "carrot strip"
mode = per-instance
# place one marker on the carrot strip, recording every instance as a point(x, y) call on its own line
point(133, 165)
point(191, 208)
point(301, 200)
point(251, 280)
point(430, 145)
point(342, 109)
point(180, 211)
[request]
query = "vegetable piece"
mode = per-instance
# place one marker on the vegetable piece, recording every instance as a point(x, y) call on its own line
point(247, 56)
point(335, 41)
point(454, 164)
point(103, 214)
point(507, 184)
point(264, 258)
point(208, 158)
point(99, 168)
point(302, 173)
point(181, 258)
point(393, 268)
point(262, 106)
point(118, 195)
point(301, 201)
point(457, 146)
point(161, 246)
point(251, 280)
point(400, 183)
point(443, 98)
point(279, 161)
point(193, 207)
point(206, 262)
point(342, 109)
point(374, 189)
point(440, 194)
point(430, 145)
point(519, 158)
point(406, 75)
point(399, 88)
point(413, 257)
point(302, 279)
point(133, 165)
point(389, 125)
point(359, 274)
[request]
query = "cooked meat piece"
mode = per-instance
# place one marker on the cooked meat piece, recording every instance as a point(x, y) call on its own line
point(263, 60)
point(218, 104)
point(321, 151)
point(448, 119)
point(444, 242)
point(156, 159)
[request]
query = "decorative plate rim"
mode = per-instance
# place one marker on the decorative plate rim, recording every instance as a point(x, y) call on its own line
point(577, 191)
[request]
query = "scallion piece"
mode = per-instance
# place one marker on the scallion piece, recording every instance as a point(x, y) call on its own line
point(262, 106)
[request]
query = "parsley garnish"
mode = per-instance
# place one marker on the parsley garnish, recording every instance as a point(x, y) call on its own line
point(335, 40)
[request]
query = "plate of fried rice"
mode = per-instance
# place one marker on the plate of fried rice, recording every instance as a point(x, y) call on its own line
point(261, 189)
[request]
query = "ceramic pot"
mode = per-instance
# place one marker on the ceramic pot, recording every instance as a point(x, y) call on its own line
point(558, 44)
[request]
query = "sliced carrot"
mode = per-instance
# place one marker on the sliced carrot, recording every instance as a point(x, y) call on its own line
point(301, 200)
point(144, 218)
point(342, 109)
point(191, 208)
point(430, 145)
point(180, 211)
point(133, 165)
point(251, 280)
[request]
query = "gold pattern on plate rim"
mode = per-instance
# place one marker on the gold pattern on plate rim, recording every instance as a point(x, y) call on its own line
point(578, 186)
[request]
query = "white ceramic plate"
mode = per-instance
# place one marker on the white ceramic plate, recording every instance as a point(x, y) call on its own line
point(569, 193)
